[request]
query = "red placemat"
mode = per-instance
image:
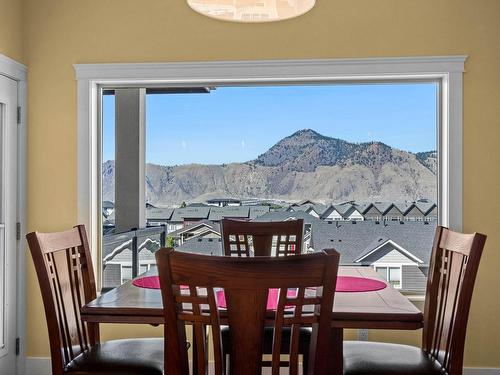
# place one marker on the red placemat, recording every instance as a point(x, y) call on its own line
point(349, 284)
point(358, 284)
point(150, 282)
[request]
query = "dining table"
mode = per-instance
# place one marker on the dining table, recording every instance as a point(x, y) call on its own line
point(386, 308)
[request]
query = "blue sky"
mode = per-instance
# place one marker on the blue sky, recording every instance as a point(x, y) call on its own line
point(236, 124)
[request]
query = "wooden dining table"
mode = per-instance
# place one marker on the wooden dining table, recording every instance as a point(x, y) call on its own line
point(383, 309)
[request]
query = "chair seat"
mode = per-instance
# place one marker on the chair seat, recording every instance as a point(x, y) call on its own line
point(120, 357)
point(373, 358)
point(304, 339)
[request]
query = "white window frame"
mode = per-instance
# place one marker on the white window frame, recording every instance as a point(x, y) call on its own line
point(447, 70)
point(392, 265)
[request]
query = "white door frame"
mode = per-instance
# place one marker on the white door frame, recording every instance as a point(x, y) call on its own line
point(447, 70)
point(18, 72)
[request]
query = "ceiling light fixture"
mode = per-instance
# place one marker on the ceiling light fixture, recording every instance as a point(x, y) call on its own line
point(252, 10)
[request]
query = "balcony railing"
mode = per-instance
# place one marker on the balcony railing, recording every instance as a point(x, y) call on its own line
point(128, 254)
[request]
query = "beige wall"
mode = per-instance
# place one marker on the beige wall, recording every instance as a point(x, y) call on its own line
point(59, 33)
point(11, 38)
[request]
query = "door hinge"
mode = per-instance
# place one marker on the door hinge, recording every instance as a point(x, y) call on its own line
point(18, 345)
point(18, 115)
point(18, 231)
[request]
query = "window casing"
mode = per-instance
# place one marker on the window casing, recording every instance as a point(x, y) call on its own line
point(392, 274)
point(92, 78)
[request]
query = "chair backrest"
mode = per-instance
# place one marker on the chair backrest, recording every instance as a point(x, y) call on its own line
point(246, 282)
point(247, 238)
point(64, 268)
point(452, 273)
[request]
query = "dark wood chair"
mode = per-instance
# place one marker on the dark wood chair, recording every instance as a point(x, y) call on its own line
point(64, 268)
point(280, 238)
point(247, 238)
point(246, 282)
point(452, 273)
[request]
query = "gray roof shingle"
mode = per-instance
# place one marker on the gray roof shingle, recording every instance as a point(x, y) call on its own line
point(206, 246)
point(159, 213)
point(256, 211)
point(180, 214)
point(353, 239)
point(219, 213)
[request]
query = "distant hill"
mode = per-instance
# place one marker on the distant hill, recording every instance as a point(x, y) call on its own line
point(429, 159)
point(305, 164)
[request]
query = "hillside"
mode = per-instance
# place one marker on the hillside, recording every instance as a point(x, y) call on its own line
point(303, 165)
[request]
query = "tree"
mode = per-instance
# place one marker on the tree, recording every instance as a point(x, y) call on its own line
point(183, 204)
point(169, 241)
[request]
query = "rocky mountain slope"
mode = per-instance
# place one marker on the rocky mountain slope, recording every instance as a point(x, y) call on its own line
point(304, 165)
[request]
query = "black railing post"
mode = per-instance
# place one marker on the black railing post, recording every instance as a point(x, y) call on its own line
point(163, 236)
point(135, 256)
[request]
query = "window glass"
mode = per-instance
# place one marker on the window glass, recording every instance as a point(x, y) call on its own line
point(395, 277)
point(358, 163)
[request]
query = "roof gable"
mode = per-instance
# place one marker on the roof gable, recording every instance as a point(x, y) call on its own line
point(380, 243)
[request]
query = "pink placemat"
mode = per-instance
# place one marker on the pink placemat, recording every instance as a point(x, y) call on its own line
point(349, 284)
point(150, 282)
point(358, 284)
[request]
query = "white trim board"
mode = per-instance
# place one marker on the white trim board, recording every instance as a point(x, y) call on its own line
point(41, 366)
point(401, 249)
point(447, 70)
point(19, 72)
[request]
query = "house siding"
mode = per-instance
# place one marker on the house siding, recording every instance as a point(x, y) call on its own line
point(414, 214)
point(393, 214)
point(414, 278)
point(111, 276)
point(373, 214)
point(355, 215)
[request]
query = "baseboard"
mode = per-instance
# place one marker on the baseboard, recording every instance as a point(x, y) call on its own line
point(41, 366)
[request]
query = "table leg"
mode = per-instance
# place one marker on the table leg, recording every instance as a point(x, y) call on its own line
point(336, 355)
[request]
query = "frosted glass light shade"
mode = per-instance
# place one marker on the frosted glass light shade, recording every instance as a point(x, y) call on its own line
point(252, 10)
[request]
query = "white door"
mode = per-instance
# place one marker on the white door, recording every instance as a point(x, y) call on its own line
point(8, 213)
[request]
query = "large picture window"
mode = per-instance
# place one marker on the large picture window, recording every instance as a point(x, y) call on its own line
point(152, 222)
point(358, 163)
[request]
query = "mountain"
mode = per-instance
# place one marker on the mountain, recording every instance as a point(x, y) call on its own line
point(303, 165)
point(428, 159)
point(306, 149)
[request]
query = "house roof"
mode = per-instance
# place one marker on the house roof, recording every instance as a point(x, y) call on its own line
point(383, 207)
point(343, 208)
point(219, 213)
point(206, 223)
point(425, 206)
point(286, 215)
point(320, 209)
point(226, 200)
point(196, 204)
point(159, 213)
point(379, 242)
point(206, 246)
point(180, 214)
point(368, 207)
point(256, 211)
point(328, 211)
point(353, 239)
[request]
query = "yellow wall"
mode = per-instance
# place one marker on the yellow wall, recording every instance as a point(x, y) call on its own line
point(11, 38)
point(59, 33)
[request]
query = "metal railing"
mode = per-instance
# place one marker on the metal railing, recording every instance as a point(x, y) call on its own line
point(114, 246)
